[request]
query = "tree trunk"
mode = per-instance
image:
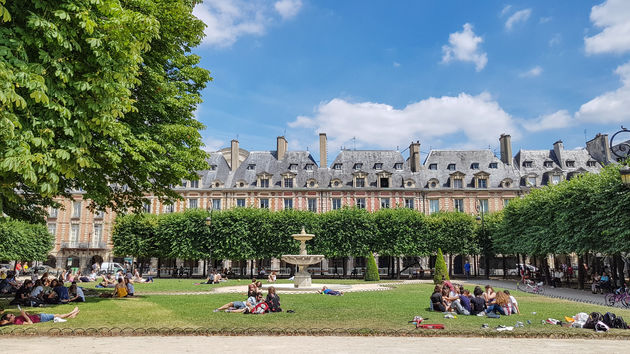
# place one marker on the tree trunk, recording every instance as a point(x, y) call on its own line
point(581, 272)
point(476, 266)
point(191, 270)
point(450, 265)
point(159, 265)
point(613, 270)
point(620, 268)
point(546, 269)
point(205, 266)
point(504, 268)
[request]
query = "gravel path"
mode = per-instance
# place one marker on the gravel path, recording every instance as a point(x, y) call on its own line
point(277, 344)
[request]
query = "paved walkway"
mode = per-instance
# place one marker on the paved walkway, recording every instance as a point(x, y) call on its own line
point(277, 344)
point(585, 296)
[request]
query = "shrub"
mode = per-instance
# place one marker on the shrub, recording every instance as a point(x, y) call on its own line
point(441, 273)
point(371, 270)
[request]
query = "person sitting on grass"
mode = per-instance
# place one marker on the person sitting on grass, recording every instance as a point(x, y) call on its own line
point(477, 303)
point(9, 284)
point(513, 303)
point(272, 277)
point(76, 293)
point(273, 300)
point(108, 282)
point(252, 288)
point(23, 293)
point(501, 305)
point(489, 295)
point(213, 278)
point(138, 279)
point(437, 302)
point(130, 289)
point(63, 296)
point(121, 289)
point(241, 306)
point(464, 298)
point(326, 291)
point(26, 319)
point(454, 298)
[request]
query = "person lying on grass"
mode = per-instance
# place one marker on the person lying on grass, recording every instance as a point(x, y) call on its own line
point(138, 279)
point(327, 291)
point(241, 306)
point(26, 319)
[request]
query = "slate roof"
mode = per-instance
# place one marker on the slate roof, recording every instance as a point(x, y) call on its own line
point(463, 161)
point(580, 157)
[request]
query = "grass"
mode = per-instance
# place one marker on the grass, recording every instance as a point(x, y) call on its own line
point(378, 310)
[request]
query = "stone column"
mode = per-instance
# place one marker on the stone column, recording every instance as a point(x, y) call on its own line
point(275, 264)
point(325, 265)
point(349, 265)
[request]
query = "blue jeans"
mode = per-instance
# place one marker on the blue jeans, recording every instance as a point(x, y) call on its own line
point(46, 317)
point(495, 308)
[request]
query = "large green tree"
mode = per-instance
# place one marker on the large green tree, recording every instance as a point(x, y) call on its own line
point(97, 95)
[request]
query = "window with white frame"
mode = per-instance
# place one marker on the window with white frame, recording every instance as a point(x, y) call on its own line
point(433, 166)
point(451, 167)
point(52, 228)
point(76, 209)
point(193, 203)
point(409, 203)
point(555, 179)
point(169, 208)
point(378, 166)
point(74, 235)
point(194, 184)
point(312, 205)
point(336, 203)
point(531, 181)
point(493, 165)
point(337, 166)
point(548, 164)
point(288, 203)
point(240, 202)
point(357, 166)
point(53, 212)
point(97, 235)
point(506, 202)
point(359, 182)
point(288, 182)
point(398, 166)
point(459, 205)
point(482, 182)
point(384, 203)
point(483, 206)
point(216, 204)
point(264, 203)
point(264, 183)
point(293, 167)
point(360, 203)
point(570, 163)
point(528, 164)
point(434, 206)
point(146, 207)
point(458, 182)
point(309, 167)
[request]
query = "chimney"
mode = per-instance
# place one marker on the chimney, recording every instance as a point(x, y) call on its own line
point(599, 148)
point(281, 147)
point(414, 156)
point(323, 151)
point(558, 148)
point(505, 141)
point(234, 162)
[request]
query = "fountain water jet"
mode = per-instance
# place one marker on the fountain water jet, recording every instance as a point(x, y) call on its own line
point(302, 278)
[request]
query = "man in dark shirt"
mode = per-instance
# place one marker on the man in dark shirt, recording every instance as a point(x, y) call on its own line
point(477, 303)
point(62, 293)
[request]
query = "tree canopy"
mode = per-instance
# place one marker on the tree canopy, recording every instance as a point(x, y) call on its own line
point(98, 96)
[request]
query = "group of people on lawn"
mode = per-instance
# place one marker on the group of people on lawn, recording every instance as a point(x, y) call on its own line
point(447, 297)
point(40, 291)
point(254, 303)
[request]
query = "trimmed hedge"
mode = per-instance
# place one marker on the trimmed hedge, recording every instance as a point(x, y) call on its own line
point(371, 270)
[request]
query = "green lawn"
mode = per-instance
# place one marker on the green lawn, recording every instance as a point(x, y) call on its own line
point(378, 310)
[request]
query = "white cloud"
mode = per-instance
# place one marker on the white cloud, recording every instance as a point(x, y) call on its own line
point(396, 64)
point(555, 40)
point(465, 46)
point(545, 19)
point(505, 10)
point(213, 144)
point(610, 107)
point(557, 120)
point(288, 8)
point(479, 118)
point(613, 16)
point(518, 16)
point(533, 72)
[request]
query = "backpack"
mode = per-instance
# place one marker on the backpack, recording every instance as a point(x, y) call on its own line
point(609, 319)
point(261, 308)
point(618, 322)
point(593, 318)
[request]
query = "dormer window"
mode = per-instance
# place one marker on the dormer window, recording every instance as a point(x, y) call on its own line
point(433, 183)
point(433, 166)
point(451, 167)
point(474, 166)
point(251, 166)
point(359, 182)
point(311, 183)
point(458, 183)
point(335, 183)
point(409, 183)
point(481, 180)
point(570, 163)
point(378, 166)
point(548, 164)
point(591, 163)
point(384, 179)
point(263, 183)
point(293, 167)
point(493, 165)
point(288, 179)
point(527, 164)
point(506, 183)
point(337, 166)
point(357, 166)
point(309, 167)
point(531, 181)
point(555, 179)
point(184, 183)
point(194, 184)
point(213, 167)
point(398, 166)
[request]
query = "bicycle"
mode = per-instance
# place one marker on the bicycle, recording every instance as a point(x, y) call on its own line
point(612, 298)
point(529, 286)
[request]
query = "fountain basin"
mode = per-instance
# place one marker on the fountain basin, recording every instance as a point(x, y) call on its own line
point(302, 279)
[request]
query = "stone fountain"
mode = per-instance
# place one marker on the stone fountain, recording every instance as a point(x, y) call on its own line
point(302, 278)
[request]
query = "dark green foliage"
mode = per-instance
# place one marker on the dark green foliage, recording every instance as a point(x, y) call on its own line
point(23, 241)
point(441, 272)
point(371, 270)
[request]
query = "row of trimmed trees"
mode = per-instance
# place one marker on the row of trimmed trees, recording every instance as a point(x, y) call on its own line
point(247, 233)
point(589, 214)
point(20, 240)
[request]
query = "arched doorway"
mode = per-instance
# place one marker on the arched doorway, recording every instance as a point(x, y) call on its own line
point(96, 259)
point(458, 266)
point(51, 261)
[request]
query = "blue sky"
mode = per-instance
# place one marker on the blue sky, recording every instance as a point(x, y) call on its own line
point(379, 74)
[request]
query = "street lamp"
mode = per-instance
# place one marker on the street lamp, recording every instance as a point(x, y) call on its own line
point(624, 148)
point(485, 241)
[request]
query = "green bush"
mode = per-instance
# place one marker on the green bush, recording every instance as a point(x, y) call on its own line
point(441, 273)
point(371, 270)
